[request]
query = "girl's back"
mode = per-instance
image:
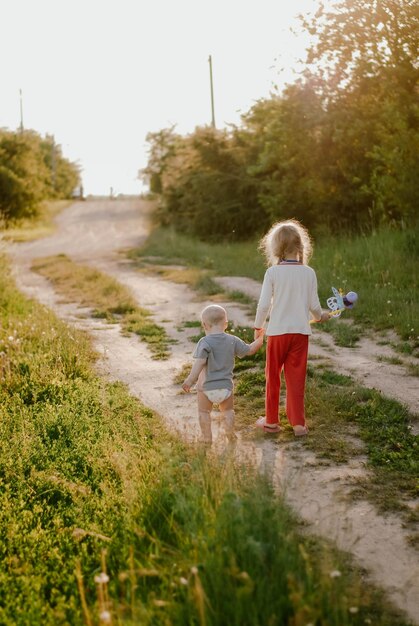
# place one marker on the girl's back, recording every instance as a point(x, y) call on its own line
point(290, 291)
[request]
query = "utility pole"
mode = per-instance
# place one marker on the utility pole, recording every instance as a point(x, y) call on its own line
point(212, 93)
point(21, 110)
point(53, 163)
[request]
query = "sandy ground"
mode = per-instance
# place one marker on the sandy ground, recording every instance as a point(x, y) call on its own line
point(93, 232)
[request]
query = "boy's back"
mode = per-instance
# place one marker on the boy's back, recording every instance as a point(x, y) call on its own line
point(219, 350)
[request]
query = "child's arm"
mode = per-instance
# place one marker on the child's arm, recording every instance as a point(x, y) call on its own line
point(197, 368)
point(257, 343)
point(325, 317)
point(265, 301)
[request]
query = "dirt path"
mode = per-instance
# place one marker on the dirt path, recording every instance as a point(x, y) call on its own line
point(93, 232)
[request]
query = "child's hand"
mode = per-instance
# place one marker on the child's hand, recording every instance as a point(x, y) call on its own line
point(258, 332)
point(186, 386)
point(325, 317)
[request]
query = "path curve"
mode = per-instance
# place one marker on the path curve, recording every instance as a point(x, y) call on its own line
point(93, 232)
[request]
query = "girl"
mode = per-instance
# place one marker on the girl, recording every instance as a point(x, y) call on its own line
point(289, 294)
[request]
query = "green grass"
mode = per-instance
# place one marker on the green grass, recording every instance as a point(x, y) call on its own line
point(381, 268)
point(392, 360)
point(109, 299)
point(337, 409)
point(91, 479)
point(345, 335)
point(198, 279)
point(166, 246)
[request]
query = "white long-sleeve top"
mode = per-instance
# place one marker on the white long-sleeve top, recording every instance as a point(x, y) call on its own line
point(289, 294)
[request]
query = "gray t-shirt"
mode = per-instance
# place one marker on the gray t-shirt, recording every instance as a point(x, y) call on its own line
point(219, 350)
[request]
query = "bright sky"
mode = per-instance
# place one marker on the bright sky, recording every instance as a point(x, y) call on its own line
point(101, 74)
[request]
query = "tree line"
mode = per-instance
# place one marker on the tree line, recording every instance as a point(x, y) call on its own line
point(32, 169)
point(337, 149)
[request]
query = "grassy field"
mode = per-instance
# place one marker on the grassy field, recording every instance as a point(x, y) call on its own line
point(109, 299)
point(104, 514)
point(382, 268)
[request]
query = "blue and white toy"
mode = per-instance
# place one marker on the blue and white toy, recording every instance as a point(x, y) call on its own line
point(340, 302)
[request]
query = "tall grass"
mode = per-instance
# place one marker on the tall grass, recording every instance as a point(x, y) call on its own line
point(232, 259)
point(382, 268)
point(89, 476)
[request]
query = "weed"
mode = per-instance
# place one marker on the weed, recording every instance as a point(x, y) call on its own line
point(410, 348)
point(392, 360)
point(412, 369)
point(192, 324)
point(344, 335)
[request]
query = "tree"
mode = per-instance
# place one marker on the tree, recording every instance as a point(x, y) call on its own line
point(338, 149)
point(365, 60)
point(162, 148)
point(288, 131)
point(26, 173)
point(363, 39)
point(64, 176)
point(203, 184)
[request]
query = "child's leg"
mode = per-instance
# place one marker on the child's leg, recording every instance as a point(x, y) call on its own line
point(295, 368)
point(204, 413)
point(227, 411)
point(275, 355)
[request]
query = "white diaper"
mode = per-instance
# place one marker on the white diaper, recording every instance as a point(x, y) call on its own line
point(218, 395)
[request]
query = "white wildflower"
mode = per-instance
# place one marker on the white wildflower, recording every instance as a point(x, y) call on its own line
point(102, 578)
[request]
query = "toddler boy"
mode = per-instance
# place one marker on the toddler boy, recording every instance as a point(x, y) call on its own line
point(213, 369)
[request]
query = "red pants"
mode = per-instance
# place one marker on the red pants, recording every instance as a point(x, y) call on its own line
point(288, 352)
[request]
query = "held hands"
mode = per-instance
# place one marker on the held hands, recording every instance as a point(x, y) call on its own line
point(259, 332)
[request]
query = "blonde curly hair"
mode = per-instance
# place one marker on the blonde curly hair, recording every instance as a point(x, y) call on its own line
point(286, 238)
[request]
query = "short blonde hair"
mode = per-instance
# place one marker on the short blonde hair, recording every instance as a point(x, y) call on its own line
point(285, 238)
point(214, 314)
